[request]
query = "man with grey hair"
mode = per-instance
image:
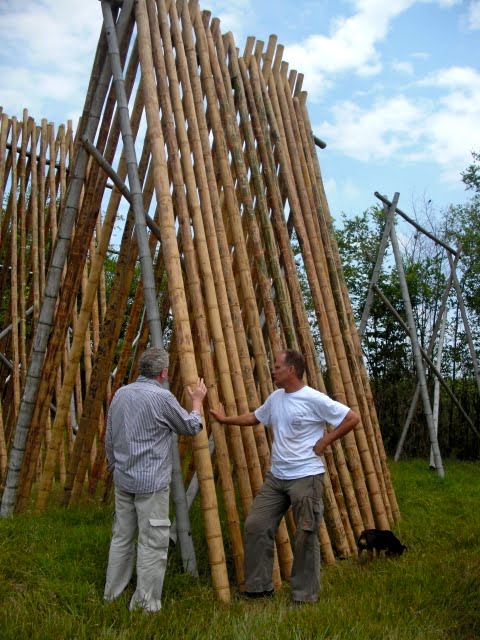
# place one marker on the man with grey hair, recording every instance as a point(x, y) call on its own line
point(138, 443)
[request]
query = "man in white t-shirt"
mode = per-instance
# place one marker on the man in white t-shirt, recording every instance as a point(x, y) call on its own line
point(297, 416)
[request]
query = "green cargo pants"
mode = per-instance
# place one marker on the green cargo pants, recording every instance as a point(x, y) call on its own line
point(270, 505)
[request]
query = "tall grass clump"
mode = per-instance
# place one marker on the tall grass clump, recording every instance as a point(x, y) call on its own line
point(52, 571)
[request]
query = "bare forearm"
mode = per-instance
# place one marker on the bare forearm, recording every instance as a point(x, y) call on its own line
point(347, 424)
point(243, 420)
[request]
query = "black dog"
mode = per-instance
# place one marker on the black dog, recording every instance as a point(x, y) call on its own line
point(378, 540)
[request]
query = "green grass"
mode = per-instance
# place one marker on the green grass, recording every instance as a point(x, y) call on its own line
point(52, 572)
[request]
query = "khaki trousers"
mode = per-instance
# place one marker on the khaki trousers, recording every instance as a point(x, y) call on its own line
point(270, 505)
point(147, 512)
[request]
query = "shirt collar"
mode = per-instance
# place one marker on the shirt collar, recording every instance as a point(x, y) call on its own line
point(149, 380)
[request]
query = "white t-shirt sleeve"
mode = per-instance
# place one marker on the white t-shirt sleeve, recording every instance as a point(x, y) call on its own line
point(263, 413)
point(331, 411)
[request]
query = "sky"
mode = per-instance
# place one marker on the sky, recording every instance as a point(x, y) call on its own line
point(393, 85)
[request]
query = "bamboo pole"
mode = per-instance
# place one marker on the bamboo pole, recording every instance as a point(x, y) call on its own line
point(182, 173)
point(14, 280)
point(180, 313)
point(4, 130)
point(41, 210)
point(22, 213)
point(35, 233)
point(233, 140)
point(239, 361)
point(229, 305)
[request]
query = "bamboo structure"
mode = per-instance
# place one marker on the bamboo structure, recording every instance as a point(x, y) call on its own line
point(227, 174)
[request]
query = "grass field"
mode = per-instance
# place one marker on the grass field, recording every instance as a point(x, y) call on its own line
point(52, 572)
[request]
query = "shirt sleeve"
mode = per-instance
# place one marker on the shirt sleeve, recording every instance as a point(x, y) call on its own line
point(331, 411)
point(179, 420)
point(263, 413)
point(109, 443)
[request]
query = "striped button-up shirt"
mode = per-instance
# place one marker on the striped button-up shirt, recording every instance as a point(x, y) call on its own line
point(138, 440)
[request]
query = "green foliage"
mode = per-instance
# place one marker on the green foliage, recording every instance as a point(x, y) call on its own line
point(462, 224)
point(52, 570)
point(471, 176)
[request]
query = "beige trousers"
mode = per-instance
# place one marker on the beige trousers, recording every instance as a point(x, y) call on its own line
point(147, 513)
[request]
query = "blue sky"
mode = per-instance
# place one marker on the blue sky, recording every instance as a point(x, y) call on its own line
point(394, 86)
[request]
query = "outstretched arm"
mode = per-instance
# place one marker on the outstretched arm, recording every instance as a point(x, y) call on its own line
point(244, 420)
point(347, 424)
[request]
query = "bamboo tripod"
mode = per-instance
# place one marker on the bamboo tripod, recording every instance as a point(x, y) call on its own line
point(421, 356)
point(227, 170)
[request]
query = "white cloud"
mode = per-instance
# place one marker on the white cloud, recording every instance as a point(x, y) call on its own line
point(466, 78)
point(374, 132)
point(352, 43)
point(420, 55)
point(45, 48)
point(473, 15)
point(405, 130)
point(403, 67)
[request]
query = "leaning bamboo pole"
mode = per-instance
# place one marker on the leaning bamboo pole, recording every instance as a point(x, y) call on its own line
point(180, 313)
point(235, 342)
point(185, 202)
point(348, 376)
point(233, 142)
point(237, 347)
point(14, 278)
point(288, 262)
point(245, 276)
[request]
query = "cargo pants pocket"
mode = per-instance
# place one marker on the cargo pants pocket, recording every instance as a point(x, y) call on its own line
point(158, 532)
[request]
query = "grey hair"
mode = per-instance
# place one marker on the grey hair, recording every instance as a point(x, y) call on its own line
point(152, 362)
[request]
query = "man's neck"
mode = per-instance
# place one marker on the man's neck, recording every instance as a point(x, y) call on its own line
point(294, 386)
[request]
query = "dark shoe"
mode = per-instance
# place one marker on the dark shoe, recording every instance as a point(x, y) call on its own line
point(299, 603)
point(255, 595)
